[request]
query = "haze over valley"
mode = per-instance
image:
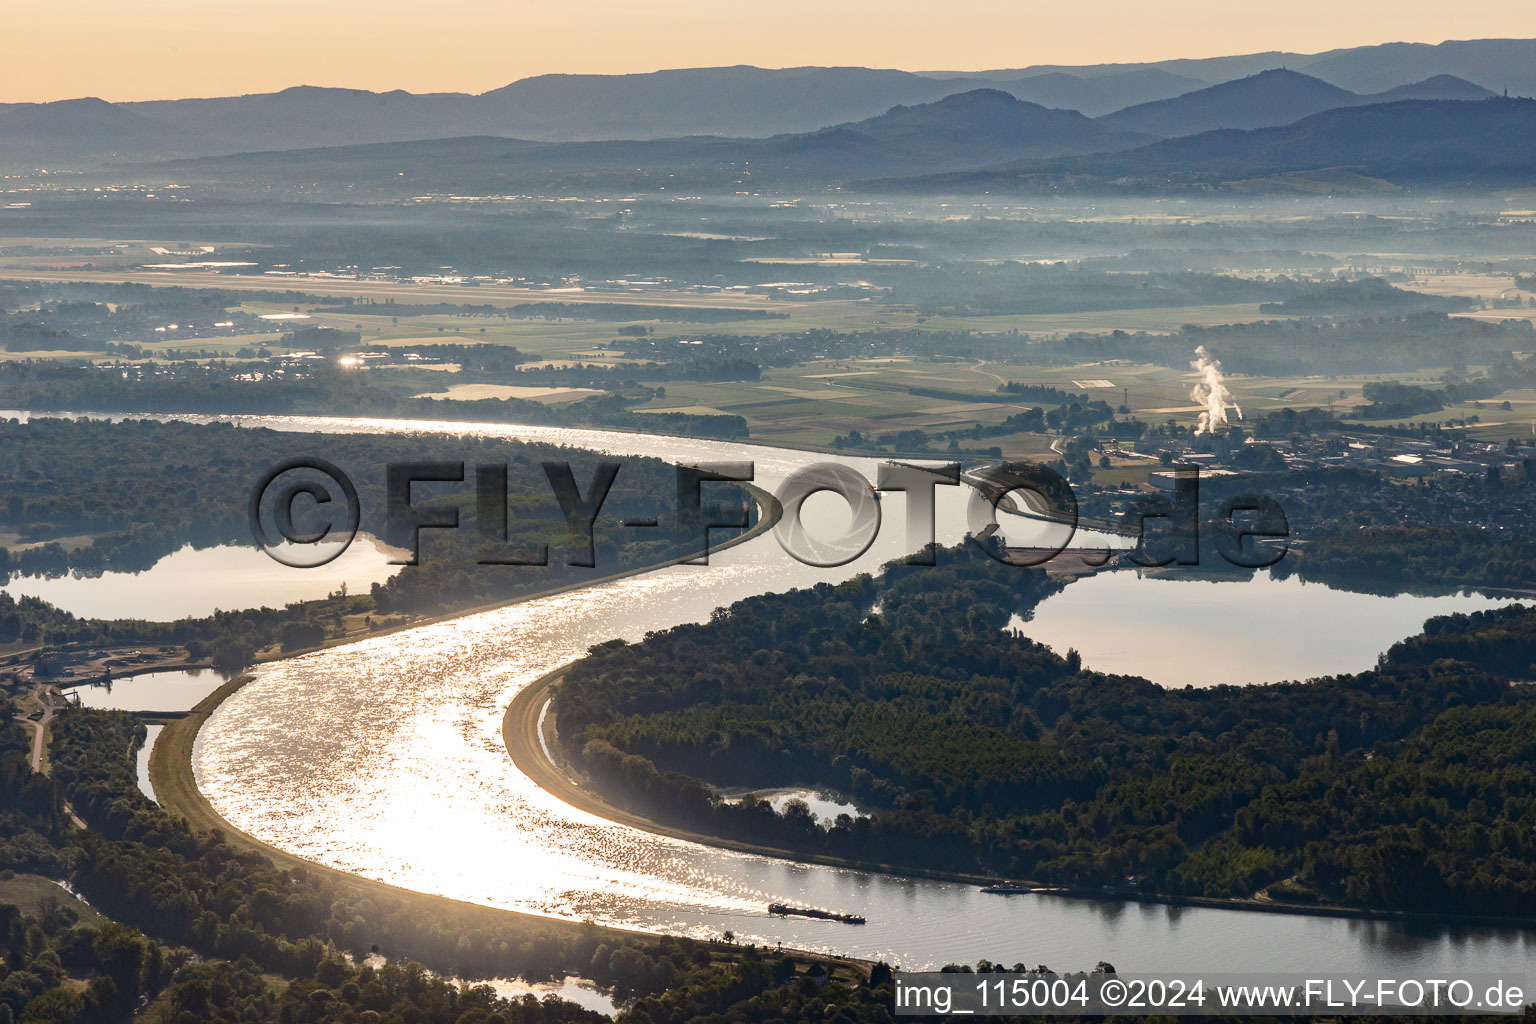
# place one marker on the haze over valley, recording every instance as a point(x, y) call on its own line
point(741, 543)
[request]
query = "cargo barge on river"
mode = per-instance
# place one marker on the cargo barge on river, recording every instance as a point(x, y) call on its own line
point(785, 910)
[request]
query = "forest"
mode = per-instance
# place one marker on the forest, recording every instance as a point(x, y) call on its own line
point(98, 317)
point(197, 931)
point(141, 489)
point(1395, 559)
point(972, 749)
point(1064, 287)
point(203, 931)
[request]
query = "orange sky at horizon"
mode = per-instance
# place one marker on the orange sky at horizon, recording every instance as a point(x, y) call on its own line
point(157, 49)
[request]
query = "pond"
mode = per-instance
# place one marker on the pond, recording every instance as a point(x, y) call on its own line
point(176, 690)
point(386, 758)
point(152, 733)
point(825, 807)
point(573, 990)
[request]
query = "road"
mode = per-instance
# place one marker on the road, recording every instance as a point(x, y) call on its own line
point(51, 703)
point(40, 697)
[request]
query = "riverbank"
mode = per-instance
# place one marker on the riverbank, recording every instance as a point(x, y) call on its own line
point(527, 731)
point(913, 921)
point(530, 732)
point(769, 512)
point(175, 784)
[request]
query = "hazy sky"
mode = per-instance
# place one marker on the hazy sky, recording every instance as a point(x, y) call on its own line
point(153, 49)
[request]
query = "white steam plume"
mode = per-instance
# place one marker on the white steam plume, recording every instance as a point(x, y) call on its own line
point(1212, 393)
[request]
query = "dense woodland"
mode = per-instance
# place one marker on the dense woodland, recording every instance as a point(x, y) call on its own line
point(198, 931)
point(967, 749)
point(1067, 287)
point(142, 489)
point(205, 932)
point(976, 750)
point(1395, 559)
point(99, 317)
point(1362, 296)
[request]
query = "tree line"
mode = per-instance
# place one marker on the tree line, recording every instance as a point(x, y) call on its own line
point(968, 748)
point(200, 930)
point(142, 489)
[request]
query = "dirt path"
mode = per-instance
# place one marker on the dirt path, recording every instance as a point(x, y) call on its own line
point(51, 703)
point(980, 367)
point(39, 697)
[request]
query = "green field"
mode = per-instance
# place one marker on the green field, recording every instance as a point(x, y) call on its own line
point(811, 403)
point(33, 892)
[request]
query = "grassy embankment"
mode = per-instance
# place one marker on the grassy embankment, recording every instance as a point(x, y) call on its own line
point(535, 749)
point(175, 784)
point(170, 770)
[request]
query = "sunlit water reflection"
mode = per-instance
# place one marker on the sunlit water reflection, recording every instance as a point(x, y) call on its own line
point(170, 690)
point(385, 758)
point(141, 760)
point(200, 581)
point(1197, 632)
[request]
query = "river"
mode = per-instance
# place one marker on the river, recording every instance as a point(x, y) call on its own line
point(385, 757)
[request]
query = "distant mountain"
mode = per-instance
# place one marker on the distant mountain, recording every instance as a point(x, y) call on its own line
point(973, 129)
point(1269, 99)
point(1440, 87)
point(732, 101)
point(735, 101)
point(1090, 94)
point(729, 102)
point(310, 116)
point(1498, 64)
point(970, 126)
point(1440, 143)
point(1201, 70)
point(69, 132)
point(1495, 63)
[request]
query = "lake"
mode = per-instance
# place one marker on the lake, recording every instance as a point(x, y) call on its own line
point(192, 582)
point(1195, 632)
point(384, 757)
